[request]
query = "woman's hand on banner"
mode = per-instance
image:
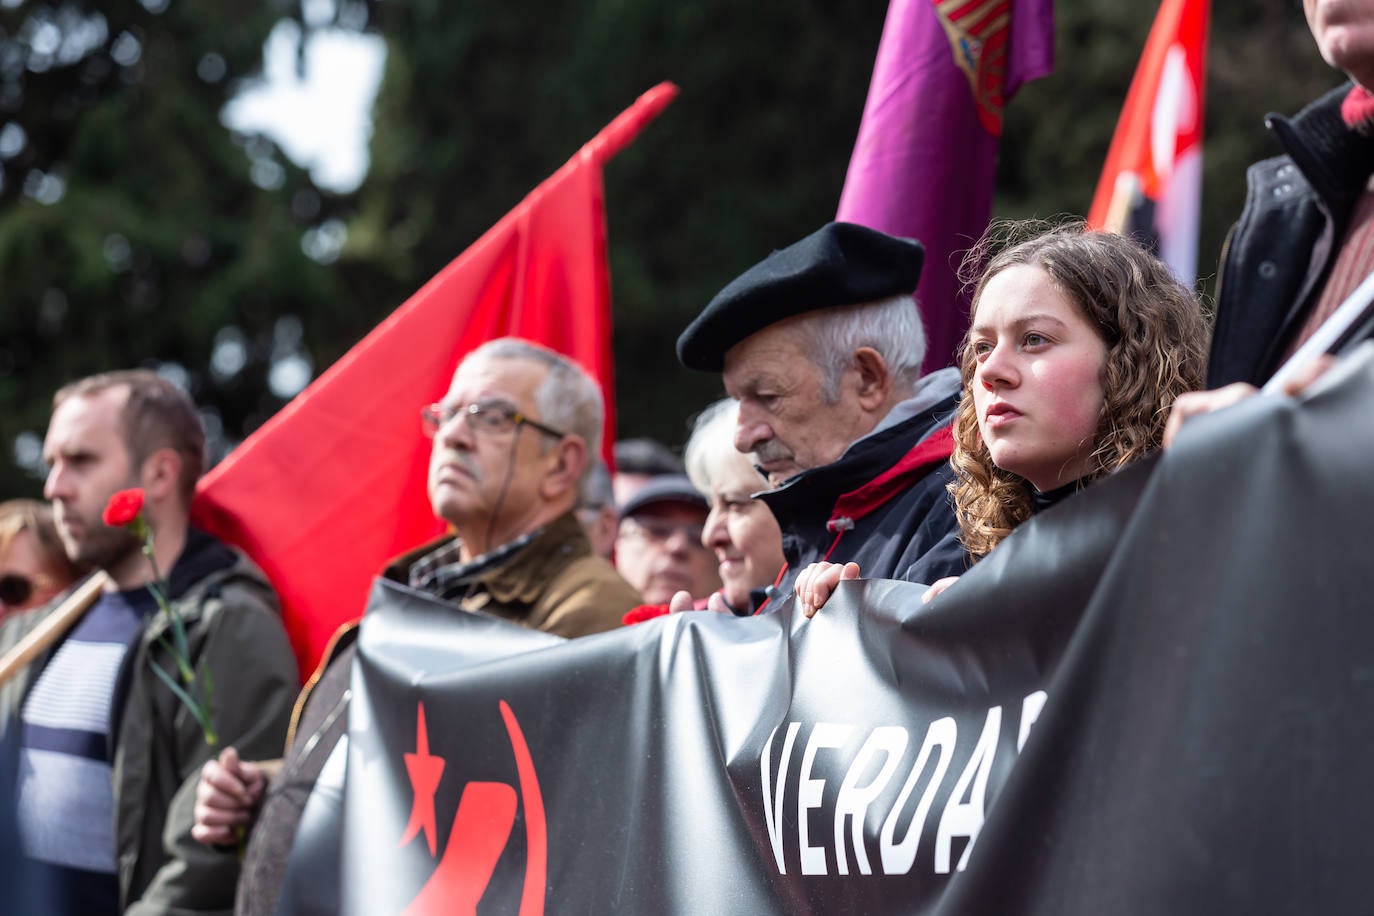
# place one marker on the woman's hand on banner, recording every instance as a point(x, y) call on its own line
point(937, 588)
point(817, 582)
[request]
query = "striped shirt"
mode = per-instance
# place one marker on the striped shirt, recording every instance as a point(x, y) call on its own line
point(65, 786)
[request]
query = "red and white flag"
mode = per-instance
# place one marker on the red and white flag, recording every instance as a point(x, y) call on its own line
point(334, 485)
point(1151, 186)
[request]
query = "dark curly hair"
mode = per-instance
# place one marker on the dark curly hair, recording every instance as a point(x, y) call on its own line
point(1156, 338)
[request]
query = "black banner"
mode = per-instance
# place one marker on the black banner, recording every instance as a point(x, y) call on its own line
point(1156, 697)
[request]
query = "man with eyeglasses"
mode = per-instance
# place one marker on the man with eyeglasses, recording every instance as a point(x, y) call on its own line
point(513, 438)
point(509, 482)
point(659, 549)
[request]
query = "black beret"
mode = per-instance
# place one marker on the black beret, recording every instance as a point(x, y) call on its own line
point(839, 264)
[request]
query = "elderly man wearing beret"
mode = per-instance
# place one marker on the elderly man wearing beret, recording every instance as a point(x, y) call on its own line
point(821, 343)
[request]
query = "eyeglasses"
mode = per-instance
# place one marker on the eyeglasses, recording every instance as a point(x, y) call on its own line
point(494, 418)
point(15, 589)
point(655, 531)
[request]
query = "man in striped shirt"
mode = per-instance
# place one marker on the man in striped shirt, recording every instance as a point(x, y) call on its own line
point(105, 748)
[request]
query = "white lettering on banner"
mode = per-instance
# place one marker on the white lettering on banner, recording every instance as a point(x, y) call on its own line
point(899, 857)
point(966, 818)
point(1030, 711)
point(772, 814)
point(811, 792)
point(854, 800)
point(872, 761)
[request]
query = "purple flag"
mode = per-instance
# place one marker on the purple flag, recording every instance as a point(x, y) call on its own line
point(925, 161)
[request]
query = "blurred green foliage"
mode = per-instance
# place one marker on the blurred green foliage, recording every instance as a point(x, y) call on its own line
point(135, 229)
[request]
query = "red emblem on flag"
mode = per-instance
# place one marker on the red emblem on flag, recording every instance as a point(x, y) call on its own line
point(977, 33)
point(481, 829)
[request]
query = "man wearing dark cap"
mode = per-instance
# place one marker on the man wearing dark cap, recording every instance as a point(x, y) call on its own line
point(639, 460)
point(821, 343)
point(659, 549)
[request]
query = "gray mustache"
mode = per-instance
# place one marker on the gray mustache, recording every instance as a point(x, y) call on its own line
point(462, 460)
point(772, 450)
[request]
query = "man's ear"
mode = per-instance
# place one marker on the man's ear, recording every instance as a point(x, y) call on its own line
point(566, 462)
point(874, 378)
point(160, 474)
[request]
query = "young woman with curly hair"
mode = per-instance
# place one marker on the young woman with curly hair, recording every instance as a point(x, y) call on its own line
point(1079, 343)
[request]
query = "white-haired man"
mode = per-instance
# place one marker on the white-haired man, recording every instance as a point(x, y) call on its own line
point(512, 441)
point(821, 343)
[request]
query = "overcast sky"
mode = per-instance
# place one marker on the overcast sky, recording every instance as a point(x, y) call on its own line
point(322, 121)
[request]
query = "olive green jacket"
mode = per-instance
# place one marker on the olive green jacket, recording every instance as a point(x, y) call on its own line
point(555, 583)
point(234, 629)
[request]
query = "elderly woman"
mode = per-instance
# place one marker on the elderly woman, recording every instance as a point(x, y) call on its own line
point(739, 529)
point(33, 565)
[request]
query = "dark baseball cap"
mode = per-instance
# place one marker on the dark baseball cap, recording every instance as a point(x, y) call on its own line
point(665, 488)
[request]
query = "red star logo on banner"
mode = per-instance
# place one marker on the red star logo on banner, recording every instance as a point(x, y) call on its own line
point(481, 829)
point(425, 770)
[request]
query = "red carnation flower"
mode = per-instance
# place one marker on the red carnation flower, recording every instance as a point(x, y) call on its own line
point(123, 507)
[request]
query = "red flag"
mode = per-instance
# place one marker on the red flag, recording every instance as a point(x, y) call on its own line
point(329, 489)
point(925, 160)
point(1152, 183)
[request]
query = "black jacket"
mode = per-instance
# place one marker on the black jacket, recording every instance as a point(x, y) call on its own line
point(1279, 254)
point(883, 505)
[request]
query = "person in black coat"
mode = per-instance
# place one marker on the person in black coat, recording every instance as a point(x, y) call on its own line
point(1305, 239)
point(821, 344)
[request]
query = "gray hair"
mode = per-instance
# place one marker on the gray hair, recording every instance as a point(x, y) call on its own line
point(568, 399)
point(892, 327)
point(711, 447)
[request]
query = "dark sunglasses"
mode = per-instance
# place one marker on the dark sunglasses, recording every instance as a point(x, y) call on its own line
point(15, 589)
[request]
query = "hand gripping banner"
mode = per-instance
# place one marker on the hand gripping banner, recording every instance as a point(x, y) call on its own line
point(1154, 697)
point(700, 763)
